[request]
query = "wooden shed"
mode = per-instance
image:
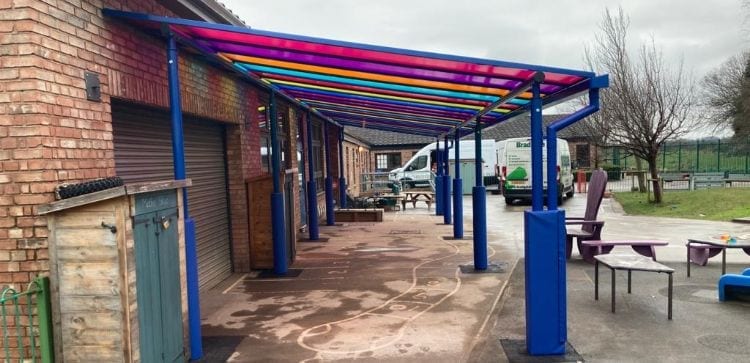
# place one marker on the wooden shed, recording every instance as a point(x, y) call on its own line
point(117, 274)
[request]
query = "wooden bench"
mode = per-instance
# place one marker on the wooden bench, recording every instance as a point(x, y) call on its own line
point(642, 247)
point(670, 177)
point(411, 196)
point(737, 178)
point(706, 181)
point(359, 215)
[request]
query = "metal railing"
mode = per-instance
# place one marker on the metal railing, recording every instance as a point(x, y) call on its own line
point(698, 156)
point(21, 341)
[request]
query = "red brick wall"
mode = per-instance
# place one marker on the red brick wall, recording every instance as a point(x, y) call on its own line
point(357, 163)
point(50, 133)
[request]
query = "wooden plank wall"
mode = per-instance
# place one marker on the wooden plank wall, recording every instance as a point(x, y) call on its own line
point(261, 235)
point(88, 281)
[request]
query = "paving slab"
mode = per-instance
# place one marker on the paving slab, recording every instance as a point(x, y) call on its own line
point(388, 292)
point(394, 292)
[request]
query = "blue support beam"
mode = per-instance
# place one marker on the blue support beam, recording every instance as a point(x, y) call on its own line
point(537, 188)
point(342, 170)
point(458, 203)
point(312, 187)
point(330, 215)
point(479, 205)
point(280, 261)
point(544, 248)
point(438, 179)
point(546, 300)
point(447, 212)
point(178, 159)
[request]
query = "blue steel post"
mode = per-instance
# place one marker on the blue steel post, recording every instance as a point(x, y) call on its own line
point(537, 189)
point(438, 179)
point(178, 158)
point(330, 215)
point(342, 178)
point(544, 248)
point(312, 187)
point(479, 205)
point(458, 203)
point(277, 198)
point(447, 217)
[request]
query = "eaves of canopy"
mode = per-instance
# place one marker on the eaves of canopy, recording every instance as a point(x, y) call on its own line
point(371, 86)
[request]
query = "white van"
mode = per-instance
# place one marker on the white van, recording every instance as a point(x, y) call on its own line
point(515, 169)
point(418, 170)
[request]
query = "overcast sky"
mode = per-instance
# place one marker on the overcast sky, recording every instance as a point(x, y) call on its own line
point(546, 32)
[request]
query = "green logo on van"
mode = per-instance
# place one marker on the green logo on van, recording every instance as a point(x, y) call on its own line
point(518, 174)
point(523, 144)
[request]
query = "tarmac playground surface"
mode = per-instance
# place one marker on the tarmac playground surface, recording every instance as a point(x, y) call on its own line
point(395, 291)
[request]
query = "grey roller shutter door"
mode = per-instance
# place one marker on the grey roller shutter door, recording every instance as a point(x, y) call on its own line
point(143, 152)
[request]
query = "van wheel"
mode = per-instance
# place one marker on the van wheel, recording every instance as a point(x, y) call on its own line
point(570, 193)
point(508, 201)
point(560, 199)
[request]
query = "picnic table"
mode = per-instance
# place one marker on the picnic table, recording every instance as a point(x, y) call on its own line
point(414, 196)
point(699, 250)
point(631, 263)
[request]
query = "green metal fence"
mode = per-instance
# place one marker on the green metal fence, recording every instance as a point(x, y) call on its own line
point(698, 156)
point(22, 312)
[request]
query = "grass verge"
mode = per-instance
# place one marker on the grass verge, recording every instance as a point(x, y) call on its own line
point(708, 204)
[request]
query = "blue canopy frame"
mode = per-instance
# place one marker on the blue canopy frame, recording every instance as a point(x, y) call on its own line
point(424, 93)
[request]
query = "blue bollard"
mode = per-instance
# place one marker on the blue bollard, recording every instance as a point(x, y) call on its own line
point(479, 206)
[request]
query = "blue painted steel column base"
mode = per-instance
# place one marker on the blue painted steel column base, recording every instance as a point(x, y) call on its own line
point(458, 209)
point(342, 192)
point(330, 216)
point(194, 306)
point(312, 209)
point(279, 240)
point(439, 195)
point(546, 321)
point(479, 207)
point(447, 218)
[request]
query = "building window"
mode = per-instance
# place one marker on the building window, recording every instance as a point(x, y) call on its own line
point(317, 149)
point(387, 162)
point(583, 156)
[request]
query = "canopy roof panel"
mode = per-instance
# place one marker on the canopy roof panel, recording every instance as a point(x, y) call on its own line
point(373, 86)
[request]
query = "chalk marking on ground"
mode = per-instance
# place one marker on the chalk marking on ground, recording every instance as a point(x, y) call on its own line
point(400, 333)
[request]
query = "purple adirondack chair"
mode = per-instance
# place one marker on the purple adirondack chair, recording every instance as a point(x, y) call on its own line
point(590, 228)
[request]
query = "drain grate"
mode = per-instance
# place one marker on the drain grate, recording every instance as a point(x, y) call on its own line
point(406, 231)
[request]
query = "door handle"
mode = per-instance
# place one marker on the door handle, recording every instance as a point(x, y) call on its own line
point(112, 228)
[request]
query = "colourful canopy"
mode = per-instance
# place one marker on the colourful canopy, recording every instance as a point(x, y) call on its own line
point(372, 86)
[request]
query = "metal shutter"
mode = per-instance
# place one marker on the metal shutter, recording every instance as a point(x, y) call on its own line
point(143, 152)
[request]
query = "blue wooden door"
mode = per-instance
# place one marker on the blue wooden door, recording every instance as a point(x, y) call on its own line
point(158, 279)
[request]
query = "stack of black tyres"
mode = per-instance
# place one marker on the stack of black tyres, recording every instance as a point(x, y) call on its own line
point(65, 191)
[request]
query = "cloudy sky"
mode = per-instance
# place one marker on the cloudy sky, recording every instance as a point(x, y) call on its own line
point(548, 32)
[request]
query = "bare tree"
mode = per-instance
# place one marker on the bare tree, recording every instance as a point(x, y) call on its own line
point(647, 102)
point(727, 99)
